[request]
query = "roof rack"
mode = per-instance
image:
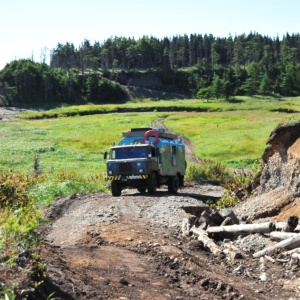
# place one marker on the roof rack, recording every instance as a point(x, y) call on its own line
point(141, 131)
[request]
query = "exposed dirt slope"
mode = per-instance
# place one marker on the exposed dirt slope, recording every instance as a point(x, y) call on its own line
point(278, 185)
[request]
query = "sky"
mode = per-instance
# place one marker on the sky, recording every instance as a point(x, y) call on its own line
point(31, 28)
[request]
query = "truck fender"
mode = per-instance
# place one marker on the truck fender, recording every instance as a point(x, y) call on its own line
point(151, 133)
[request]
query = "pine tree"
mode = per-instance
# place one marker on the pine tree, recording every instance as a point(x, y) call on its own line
point(218, 87)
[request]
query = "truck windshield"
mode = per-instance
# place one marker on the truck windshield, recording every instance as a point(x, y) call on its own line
point(129, 152)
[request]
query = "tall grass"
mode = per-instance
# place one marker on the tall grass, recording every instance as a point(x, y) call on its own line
point(64, 184)
point(208, 171)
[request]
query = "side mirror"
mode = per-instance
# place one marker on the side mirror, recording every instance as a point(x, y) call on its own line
point(105, 155)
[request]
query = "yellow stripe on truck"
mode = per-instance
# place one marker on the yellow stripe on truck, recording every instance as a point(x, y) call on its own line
point(127, 177)
point(113, 178)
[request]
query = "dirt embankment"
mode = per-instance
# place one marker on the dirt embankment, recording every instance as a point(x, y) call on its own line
point(131, 247)
point(277, 191)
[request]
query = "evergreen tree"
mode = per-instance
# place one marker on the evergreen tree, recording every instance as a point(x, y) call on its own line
point(217, 88)
point(265, 85)
point(252, 83)
point(244, 64)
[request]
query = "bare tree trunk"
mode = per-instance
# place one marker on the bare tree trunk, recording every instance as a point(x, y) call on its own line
point(205, 220)
point(226, 212)
point(290, 243)
point(207, 242)
point(288, 226)
point(296, 250)
point(280, 235)
point(216, 217)
point(243, 228)
point(232, 252)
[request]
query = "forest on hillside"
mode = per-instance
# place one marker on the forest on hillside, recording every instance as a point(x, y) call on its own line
point(198, 65)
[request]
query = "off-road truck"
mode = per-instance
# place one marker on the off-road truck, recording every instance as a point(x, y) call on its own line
point(145, 159)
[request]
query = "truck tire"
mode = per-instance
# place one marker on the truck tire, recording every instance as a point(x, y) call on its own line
point(115, 189)
point(173, 184)
point(152, 183)
point(141, 190)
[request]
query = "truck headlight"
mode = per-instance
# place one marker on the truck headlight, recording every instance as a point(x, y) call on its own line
point(141, 170)
point(110, 172)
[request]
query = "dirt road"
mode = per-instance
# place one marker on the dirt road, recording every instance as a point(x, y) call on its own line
point(131, 247)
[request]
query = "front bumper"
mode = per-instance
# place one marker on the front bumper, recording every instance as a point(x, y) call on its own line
point(125, 178)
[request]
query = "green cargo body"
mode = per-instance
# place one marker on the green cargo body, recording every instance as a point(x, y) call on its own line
point(146, 158)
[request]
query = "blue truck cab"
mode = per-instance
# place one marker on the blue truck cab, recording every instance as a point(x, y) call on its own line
point(145, 159)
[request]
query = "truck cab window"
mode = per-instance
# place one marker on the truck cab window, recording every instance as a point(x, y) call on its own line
point(153, 152)
point(174, 150)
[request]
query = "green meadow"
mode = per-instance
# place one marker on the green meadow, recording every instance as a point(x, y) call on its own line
point(234, 138)
point(234, 134)
point(271, 104)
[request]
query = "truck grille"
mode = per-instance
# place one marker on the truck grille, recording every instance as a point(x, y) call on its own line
point(125, 168)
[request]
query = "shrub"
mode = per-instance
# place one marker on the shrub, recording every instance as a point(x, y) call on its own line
point(19, 216)
point(236, 185)
point(209, 171)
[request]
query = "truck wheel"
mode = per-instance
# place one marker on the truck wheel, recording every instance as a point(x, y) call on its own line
point(152, 183)
point(173, 184)
point(116, 189)
point(141, 190)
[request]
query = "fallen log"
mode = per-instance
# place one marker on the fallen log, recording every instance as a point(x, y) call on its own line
point(242, 228)
point(295, 259)
point(195, 210)
point(187, 224)
point(216, 217)
point(232, 251)
point(226, 212)
point(207, 242)
point(292, 285)
point(204, 221)
point(288, 244)
point(227, 221)
point(204, 217)
point(269, 258)
point(279, 226)
point(289, 226)
point(231, 247)
point(296, 250)
point(280, 235)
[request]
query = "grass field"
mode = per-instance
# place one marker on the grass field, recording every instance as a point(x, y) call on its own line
point(240, 103)
point(76, 144)
point(73, 144)
point(235, 138)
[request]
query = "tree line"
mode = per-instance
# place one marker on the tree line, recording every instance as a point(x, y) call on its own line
point(202, 66)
